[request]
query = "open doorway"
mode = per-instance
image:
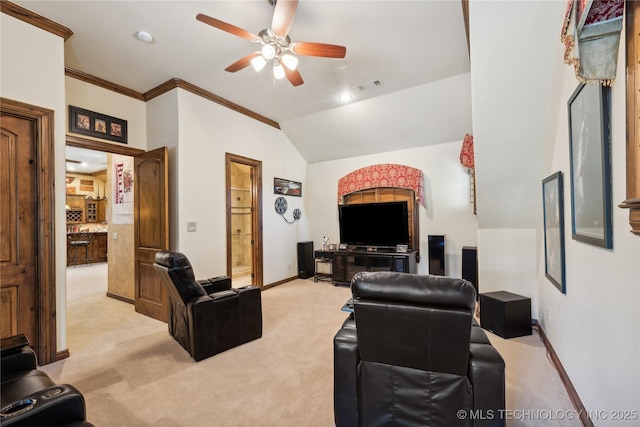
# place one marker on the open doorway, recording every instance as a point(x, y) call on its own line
point(244, 220)
point(90, 209)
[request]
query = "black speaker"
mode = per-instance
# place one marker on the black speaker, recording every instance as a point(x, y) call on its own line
point(306, 266)
point(436, 255)
point(505, 314)
point(470, 266)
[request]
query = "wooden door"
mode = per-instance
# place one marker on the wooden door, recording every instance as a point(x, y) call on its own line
point(18, 207)
point(151, 228)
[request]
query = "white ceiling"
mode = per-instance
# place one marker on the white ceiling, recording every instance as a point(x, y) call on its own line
point(417, 49)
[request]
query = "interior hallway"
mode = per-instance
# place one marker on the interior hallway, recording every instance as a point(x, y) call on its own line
point(133, 373)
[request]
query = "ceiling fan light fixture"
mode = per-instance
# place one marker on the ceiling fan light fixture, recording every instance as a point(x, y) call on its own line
point(268, 51)
point(258, 63)
point(290, 61)
point(278, 71)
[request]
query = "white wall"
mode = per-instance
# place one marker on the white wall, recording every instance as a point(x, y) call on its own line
point(446, 190)
point(507, 261)
point(162, 131)
point(206, 131)
point(595, 327)
point(33, 72)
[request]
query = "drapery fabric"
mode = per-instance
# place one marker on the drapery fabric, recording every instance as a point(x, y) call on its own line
point(383, 175)
point(467, 157)
point(591, 35)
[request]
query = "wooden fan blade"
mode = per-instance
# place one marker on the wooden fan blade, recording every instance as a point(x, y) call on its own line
point(294, 76)
point(242, 63)
point(283, 16)
point(221, 25)
point(319, 49)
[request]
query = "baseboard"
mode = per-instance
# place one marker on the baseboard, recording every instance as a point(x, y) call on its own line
point(120, 298)
point(564, 377)
point(62, 354)
point(280, 282)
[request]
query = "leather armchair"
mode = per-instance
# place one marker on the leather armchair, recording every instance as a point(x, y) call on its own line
point(207, 316)
point(412, 355)
point(30, 398)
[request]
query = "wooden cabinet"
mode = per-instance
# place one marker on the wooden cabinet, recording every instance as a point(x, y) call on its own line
point(95, 210)
point(75, 208)
point(96, 251)
point(347, 263)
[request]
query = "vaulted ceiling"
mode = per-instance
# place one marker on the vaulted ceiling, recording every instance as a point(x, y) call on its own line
point(406, 66)
point(415, 50)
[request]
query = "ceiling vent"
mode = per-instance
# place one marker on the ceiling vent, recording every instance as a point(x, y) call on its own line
point(368, 85)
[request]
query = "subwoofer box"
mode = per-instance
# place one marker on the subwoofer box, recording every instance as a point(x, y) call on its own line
point(505, 314)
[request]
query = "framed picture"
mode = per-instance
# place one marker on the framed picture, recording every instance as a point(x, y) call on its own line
point(287, 187)
point(97, 125)
point(590, 151)
point(553, 213)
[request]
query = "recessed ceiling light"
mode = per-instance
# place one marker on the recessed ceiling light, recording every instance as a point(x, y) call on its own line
point(143, 36)
point(346, 97)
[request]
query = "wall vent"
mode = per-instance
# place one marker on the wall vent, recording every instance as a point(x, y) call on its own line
point(367, 85)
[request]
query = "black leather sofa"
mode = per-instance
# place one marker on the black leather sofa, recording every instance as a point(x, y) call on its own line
point(30, 398)
point(207, 316)
point(411, 354)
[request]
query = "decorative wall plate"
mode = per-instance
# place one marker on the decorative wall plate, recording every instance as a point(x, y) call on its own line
point(281, 205)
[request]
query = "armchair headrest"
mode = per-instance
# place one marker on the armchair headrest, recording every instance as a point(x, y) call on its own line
point(434, 291)
point(416, 321)
point(179, 275)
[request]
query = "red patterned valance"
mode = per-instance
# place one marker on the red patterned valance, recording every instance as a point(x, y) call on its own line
point(385, 175)
point(467, 157)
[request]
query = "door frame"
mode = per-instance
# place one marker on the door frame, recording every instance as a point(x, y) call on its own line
point(256, 217)
point(42, 121)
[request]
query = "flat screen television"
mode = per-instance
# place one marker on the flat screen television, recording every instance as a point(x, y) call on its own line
point(374, 224)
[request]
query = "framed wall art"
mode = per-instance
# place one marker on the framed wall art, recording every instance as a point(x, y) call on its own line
point(287, 187)
point(590, 157)
point(553, 215)
point(97, 125)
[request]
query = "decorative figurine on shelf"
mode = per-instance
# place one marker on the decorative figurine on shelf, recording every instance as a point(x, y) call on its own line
point(325, 240)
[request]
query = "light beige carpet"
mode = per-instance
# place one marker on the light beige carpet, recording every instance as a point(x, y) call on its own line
point(133, 373)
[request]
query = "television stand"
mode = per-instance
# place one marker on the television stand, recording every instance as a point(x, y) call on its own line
point(346, 263)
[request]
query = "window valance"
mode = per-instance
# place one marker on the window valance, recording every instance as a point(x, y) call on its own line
point(384, 175)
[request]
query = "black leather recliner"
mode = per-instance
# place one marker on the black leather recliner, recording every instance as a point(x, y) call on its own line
point(412, 355)
point(207, 316)
point(30, 398)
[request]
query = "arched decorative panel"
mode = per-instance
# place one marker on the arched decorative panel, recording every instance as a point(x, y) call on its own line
point(383, 175)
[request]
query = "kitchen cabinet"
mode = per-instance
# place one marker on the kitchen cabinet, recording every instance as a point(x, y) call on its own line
point(75, 208)
point(95, 210)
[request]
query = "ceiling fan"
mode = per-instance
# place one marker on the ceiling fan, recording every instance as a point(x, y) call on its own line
point(275, 44)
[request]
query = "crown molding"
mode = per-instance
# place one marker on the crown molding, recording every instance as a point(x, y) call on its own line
point(179, 83)
point(97, 81)
point(166, 87)
point(34, 19)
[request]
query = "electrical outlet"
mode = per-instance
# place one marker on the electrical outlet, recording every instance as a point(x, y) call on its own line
point(115, 236)
point(192, 226)
point(548, 315)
